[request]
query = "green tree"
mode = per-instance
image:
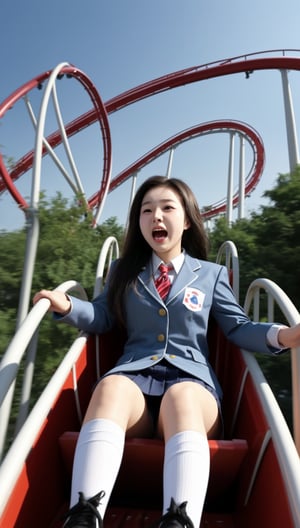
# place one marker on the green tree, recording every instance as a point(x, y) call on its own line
point(12, 247)
point(68, 249)
point(242, 235)
point(269, 241)
point(277, 231)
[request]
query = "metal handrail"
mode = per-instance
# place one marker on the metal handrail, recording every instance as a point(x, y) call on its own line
point(110, 250)
point(18, 451)
point(229, 251)
point(21, 446)
point(11, 359)
point(287, 447)
point(275, 295)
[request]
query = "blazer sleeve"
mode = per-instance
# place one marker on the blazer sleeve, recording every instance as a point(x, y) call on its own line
point(92, 317)
point(235, 323)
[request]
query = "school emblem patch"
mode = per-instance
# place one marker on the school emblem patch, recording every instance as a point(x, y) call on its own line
point(193, 299)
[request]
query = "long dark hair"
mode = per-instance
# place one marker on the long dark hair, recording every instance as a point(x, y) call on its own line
point(137, 252)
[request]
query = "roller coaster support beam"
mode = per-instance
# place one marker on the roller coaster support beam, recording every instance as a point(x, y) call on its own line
point(241, 206)
point(170, 163)
point(290, 121)
point(230, 180)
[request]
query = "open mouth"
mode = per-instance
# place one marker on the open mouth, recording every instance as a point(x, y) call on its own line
point(159, 234)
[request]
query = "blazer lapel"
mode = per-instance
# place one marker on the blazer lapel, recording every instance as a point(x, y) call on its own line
point(186, 276)
point(146, 279)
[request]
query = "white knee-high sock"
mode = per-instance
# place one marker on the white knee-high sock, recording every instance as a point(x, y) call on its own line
point(186, 472)
point(97, 460)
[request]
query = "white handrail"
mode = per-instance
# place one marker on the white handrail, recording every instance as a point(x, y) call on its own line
point(14, 459)
point(110, 250)
point(14, 353)
point(285, 446)
point(20, 448)
point(229, 250)
point(11, 359)
point(292, 316)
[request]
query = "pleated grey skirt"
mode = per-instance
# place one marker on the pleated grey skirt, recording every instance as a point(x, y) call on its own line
point(156, 380)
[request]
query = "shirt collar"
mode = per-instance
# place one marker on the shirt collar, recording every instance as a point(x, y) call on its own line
point(176, 262)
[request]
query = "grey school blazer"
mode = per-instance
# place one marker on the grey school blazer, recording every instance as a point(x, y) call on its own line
point(175, 329)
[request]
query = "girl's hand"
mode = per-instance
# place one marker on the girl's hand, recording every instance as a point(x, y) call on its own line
point(59, 302)
point(289, 337)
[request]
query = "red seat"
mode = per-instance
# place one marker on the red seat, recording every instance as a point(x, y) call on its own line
point(140, 476)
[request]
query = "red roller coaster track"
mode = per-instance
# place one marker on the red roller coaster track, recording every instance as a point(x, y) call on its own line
point(26, 162)
point(205, 128)
point(245, 63)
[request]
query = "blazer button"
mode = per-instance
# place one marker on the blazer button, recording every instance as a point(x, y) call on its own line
point(172, 356)
point(162, 312)
point(160, 337)
point(154, 358)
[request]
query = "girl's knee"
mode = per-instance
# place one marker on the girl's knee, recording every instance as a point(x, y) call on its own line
point(187, 406)
point(114, 384)
point(181, 393)
point(119, 399)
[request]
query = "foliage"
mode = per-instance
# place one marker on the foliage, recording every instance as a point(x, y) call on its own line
point(68, 249)
point(268, 243)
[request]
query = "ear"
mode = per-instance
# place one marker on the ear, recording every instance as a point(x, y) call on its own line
point(187, 224)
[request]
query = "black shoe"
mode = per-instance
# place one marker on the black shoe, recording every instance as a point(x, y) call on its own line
point(85, 514)
point(176, 517)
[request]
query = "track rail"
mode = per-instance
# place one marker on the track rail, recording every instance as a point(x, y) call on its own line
point(211, 127)
point(27, 161)
point(239, 64)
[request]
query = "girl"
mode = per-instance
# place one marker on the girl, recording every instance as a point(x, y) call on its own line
point(163, 383)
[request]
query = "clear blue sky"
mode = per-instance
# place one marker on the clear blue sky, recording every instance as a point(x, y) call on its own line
point(122, 43)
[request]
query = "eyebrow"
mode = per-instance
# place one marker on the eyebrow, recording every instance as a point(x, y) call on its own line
point(160, 200)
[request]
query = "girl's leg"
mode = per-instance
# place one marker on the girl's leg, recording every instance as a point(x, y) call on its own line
point(188, 416)
point(116, 407)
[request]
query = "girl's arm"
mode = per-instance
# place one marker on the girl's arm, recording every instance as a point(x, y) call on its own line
point(241, 330)
point(93, 317)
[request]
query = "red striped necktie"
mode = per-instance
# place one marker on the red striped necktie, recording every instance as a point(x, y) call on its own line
point(163, 283)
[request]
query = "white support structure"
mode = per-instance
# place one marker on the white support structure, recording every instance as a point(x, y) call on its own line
point(132, 194)
point(170, 163)
point(241, 206)
point(230, 179)
point(290, 121)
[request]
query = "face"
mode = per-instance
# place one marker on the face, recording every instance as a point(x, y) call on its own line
point(163, 221)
